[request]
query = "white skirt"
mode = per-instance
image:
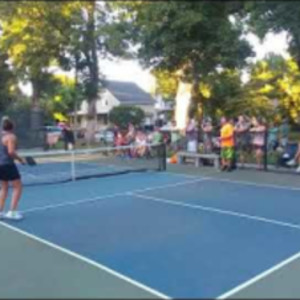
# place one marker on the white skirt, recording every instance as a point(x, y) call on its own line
point(192, 146)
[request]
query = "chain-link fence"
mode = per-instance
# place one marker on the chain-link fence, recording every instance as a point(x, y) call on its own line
point(28, 128)
point(274, 155)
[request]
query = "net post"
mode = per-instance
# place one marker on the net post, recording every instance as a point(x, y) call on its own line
point(265, 149)
point(73, 170)
point(162, 152)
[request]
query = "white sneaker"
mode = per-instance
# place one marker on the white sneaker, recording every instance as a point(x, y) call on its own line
point(13, 215)
point(291, 163)
point(298, 170)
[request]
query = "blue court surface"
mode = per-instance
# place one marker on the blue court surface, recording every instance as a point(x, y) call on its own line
point(172, 235)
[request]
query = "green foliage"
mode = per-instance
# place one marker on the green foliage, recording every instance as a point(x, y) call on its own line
point(63, 96)
point(194, 37)
point(166, 83)
point(277, 16)
point(9, 90)
point(123, 115)
point(197, 36)
point(222, 94)
point(65, 34)
point(273, 80)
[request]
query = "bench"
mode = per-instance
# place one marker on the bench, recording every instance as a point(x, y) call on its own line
point(198, 157)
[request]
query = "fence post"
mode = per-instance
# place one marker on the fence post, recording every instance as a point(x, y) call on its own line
point(162, 149)
point(265, 149)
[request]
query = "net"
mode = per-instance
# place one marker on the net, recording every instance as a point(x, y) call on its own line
point(64, 166)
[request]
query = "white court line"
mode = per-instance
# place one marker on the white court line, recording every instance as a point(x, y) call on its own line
point(242, 182)
point(28, 174)
point(260, 276)
point(219, 211)
point(86, 260)
point(70, 203)
point(274, 186)
point(39, 208)
point(188, 175)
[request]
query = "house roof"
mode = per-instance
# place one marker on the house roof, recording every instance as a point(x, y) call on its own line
point(128, 93)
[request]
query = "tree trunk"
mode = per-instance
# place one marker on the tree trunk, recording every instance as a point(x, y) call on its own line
point(36, 120)
point(196, 107)
point(92, 63)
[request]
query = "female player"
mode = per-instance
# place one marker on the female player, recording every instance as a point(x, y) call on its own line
point(8, 170)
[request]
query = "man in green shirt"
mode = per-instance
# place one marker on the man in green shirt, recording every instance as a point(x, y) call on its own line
point(157, 136)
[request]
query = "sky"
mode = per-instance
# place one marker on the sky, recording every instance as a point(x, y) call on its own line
point(130, 70)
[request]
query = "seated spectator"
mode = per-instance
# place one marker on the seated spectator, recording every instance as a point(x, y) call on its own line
point(141, 143)
point(119, 141)
point(130, 136)
point(296, 160)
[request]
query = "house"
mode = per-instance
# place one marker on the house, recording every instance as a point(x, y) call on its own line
point(117, 93)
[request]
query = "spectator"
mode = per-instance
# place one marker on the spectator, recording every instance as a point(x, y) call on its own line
point(119, 139)
point(284, 130)
point(259, 131)
point(130, 136)
point(175, 137)
point(60, 124)
point(141, 143)
point(296, 160)
point(157, 136)
point(192, 135)
point(242, 138)
point(68, 137)
point(207, 129)
point(273, 132)
point(227, 144)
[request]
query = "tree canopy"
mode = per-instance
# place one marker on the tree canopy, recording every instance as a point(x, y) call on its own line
point(202, 43)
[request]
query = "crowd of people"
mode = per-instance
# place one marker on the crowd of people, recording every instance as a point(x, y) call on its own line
point(233, 138)
point(236, 139)
point(137, 138)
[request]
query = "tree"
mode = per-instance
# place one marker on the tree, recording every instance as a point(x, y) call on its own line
point(222, 94)
point(62, 95)
point(9, 90)
point(277, 16)
point(273, 89)
point(195, 37)
point(31, 43)
point(166, 83)
point(66, 34)
point(123, 115)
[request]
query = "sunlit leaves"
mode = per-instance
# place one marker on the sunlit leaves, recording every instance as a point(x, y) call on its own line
point(269, 81)
point(205, 90)
point(166, 83)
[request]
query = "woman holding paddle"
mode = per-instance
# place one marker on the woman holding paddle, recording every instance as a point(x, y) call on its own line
point(8, 170)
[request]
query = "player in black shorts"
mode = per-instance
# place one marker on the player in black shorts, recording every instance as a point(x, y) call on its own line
point(9, 171)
